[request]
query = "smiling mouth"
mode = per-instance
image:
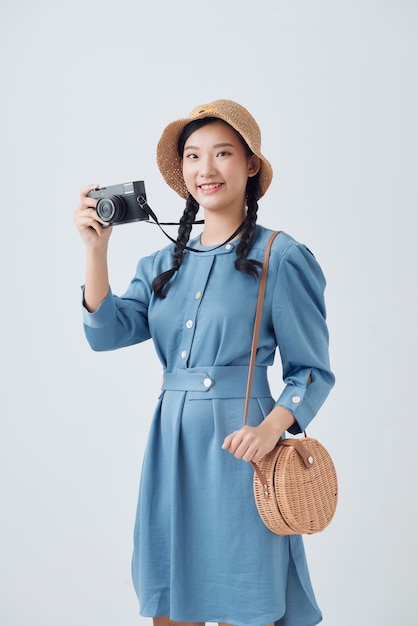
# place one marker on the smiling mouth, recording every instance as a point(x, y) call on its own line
point(210, 186)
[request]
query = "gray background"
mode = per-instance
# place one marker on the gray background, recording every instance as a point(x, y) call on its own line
point(87, 87)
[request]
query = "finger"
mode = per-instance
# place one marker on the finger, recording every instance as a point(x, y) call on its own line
point(233, 441)
point(227, 441)
point(252, 455)
point(244, 451)
point(84, 222)
point(244, 434)
point(86, 203)
point(83, 219)
point(86, 190)
point(88, 212)
point(257, 457)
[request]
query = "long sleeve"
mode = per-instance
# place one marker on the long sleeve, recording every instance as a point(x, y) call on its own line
point(122, 321)
point(299, 320)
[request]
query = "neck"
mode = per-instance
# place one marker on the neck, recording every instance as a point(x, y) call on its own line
point(218, 228)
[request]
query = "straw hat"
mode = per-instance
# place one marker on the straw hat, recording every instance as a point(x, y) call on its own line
point(235, 115)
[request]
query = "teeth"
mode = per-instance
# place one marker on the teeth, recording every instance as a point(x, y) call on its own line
point(211, 186)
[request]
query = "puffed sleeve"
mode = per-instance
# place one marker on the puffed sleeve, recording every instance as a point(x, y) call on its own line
point(122, 321)
point(299, 319)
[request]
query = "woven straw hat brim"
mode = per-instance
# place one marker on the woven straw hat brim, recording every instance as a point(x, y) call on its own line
point(169, 161)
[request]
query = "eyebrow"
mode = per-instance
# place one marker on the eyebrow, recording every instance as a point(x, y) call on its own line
point(217, 145)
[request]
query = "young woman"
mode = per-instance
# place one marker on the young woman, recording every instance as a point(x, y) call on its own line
point(201, 551)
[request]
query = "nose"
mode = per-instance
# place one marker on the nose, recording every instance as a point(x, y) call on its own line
point(206, 168)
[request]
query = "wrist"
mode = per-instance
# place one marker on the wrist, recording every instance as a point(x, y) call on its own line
point(280, 419)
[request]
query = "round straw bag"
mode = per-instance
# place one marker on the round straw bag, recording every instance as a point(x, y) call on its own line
point(295, 487)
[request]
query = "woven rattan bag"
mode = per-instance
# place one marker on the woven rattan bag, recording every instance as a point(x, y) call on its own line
point(295, 485)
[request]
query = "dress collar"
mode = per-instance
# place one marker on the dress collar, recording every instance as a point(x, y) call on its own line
point(211, 250)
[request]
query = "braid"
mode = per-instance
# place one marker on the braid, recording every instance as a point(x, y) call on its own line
point(186, 224)
point(242, 264)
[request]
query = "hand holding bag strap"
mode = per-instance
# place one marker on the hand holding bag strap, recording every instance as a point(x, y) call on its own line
point(257, 321)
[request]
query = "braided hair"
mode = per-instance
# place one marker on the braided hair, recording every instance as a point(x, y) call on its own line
point(183, 236)
point(242, 263)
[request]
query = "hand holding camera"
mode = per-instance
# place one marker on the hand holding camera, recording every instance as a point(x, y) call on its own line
point(102, 207)
point(88, 223)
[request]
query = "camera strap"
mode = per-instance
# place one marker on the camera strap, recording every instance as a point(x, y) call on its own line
point(145, 206)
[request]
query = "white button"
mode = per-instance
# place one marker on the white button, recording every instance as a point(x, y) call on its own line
point(198, 295)
point(207, 383)
point(184, 354)
point(296, 399)
point(189, 324)
point(228, 246)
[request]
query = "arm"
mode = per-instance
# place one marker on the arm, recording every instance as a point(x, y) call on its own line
point(299, 319)
point(110, 322)
point(298, 315)
point(96, 239)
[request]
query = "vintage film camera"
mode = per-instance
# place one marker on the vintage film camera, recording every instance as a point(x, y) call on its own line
point(121, 204)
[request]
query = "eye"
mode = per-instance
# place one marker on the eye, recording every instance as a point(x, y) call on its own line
point(190, 156)
point(223, 153)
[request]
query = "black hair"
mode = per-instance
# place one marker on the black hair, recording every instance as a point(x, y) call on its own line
point(242, 263)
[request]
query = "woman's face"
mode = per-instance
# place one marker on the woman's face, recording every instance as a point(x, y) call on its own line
point(216, 167)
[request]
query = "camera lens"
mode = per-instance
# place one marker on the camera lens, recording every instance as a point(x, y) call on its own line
point(111, 209)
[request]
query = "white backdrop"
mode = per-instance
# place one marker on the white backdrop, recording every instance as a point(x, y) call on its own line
point(86, 89)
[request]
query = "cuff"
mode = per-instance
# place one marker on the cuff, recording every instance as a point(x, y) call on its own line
point(295, 399)
point(100, 317)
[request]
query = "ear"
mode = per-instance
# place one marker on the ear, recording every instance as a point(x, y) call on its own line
point(254, 165)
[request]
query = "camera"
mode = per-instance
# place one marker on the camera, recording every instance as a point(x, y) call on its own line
point(121, 204)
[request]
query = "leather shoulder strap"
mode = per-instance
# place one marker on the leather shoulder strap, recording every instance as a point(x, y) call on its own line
point(258, 313)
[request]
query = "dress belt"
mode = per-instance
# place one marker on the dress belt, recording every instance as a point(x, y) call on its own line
point(229, 381)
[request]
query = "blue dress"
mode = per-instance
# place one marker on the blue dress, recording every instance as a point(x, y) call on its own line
point(201, 551)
